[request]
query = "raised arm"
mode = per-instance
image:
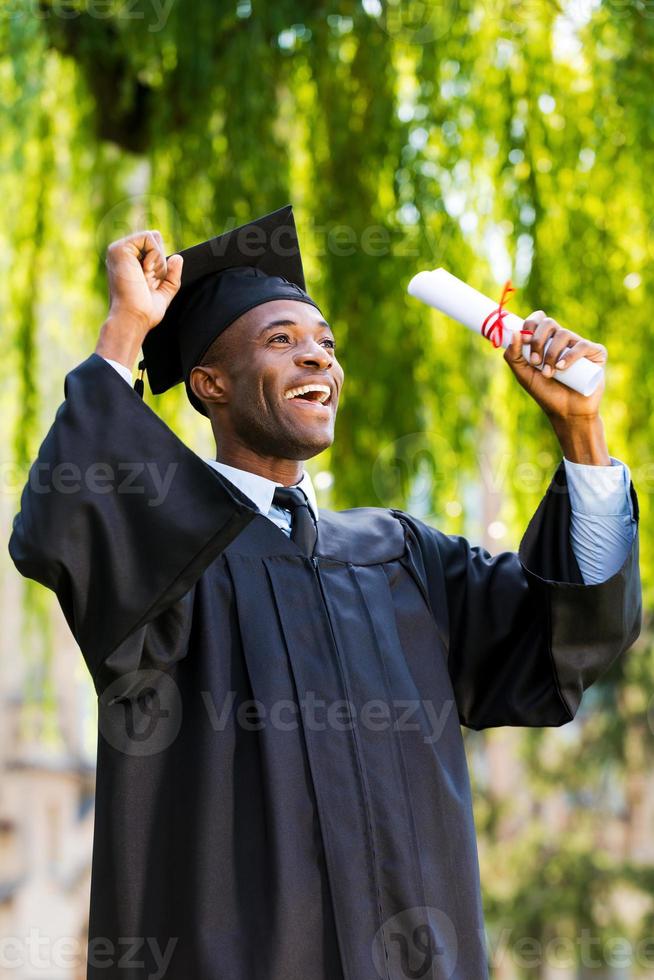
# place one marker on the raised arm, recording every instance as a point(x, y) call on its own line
point(527, 633)
point(524, 636)
point(119, 518)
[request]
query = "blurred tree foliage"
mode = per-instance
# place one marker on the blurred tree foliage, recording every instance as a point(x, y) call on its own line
point(506, 138)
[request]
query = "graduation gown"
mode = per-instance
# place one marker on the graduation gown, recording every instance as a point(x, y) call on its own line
point(282, 791)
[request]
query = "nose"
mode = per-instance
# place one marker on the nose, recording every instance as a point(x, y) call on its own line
point(314, 355)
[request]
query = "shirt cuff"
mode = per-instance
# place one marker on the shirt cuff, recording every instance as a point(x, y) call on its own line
point(123, 371)
point(599, 491)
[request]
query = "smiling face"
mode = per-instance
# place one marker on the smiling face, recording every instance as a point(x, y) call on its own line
point(271, 382)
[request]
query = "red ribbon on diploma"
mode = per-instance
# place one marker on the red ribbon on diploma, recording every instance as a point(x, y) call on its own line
point(492, 327)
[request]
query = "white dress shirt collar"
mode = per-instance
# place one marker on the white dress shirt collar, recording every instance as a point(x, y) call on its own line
point(259, 489)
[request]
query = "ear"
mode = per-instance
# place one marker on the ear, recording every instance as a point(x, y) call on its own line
point(209, 384)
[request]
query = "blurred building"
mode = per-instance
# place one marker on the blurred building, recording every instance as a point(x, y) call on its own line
point(47, 781)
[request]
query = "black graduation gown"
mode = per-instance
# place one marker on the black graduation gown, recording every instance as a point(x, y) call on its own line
point(282, 791)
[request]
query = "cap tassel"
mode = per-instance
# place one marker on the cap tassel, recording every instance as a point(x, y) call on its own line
point(138, 384)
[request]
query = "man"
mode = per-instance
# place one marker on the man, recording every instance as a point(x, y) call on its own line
point(282, 788)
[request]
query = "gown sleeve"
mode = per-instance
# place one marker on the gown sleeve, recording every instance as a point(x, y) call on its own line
point(119, 518)
point(524, 636)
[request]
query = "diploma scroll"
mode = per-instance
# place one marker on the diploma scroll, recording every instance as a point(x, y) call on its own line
point(443, 291)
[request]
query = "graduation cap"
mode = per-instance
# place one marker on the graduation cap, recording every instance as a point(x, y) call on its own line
point(222, 279)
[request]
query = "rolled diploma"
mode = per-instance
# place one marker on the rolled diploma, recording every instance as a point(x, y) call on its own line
point(440, 289)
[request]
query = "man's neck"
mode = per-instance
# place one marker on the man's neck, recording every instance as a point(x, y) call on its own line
point(285, 471)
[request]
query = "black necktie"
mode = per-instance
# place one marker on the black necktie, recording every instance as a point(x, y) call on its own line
point(303, 526)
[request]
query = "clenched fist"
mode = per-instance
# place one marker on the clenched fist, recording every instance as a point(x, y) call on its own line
point(142, 283)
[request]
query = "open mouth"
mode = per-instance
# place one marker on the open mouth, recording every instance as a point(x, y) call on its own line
point(314, 394)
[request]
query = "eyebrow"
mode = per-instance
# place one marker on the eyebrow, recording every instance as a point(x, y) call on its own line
point(285, 322)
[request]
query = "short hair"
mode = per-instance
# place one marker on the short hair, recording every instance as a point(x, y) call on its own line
point(221, 350)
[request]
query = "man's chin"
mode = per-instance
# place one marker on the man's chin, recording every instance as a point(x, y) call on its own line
point(306, 445)
point(298, 443)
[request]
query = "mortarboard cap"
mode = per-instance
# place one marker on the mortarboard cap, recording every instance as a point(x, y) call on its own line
point(222, 279)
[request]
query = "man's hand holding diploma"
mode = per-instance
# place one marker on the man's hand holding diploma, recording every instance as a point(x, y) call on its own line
point(574, 417)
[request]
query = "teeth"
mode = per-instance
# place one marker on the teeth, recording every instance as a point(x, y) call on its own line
point(324, 391)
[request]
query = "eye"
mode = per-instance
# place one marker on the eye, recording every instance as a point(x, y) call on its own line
point(279, 338)
point(331, 344)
